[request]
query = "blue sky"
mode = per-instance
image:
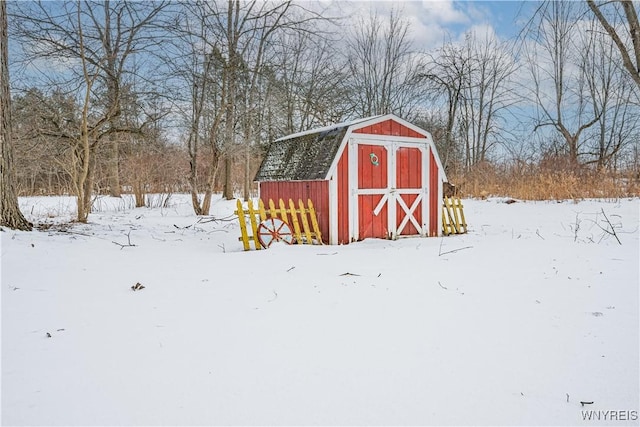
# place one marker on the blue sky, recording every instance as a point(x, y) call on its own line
point(433, 21)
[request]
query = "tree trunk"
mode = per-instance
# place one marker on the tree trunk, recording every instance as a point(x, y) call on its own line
point(193, 170)
point(112, 165)
point(573, 153)
point(83, 154)
point(83, 178)
point(228, 189)
point(230, 81)
point(113, 98)
point(247, 178)
point(10, 211)
point(87, 190)
point(629, 55)
point(248, 136)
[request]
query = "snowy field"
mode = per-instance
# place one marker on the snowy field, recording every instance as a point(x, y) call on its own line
point(532, 312)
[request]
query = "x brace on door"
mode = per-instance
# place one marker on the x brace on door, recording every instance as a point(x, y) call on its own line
point(394, 196)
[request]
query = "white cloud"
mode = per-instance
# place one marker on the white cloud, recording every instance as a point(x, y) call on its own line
point(444, 12)
point(432, 21)
point(482, 31)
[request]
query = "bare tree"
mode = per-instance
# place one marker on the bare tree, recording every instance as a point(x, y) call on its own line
point(473, 81)
point(611, 90)
point(93, 43)
point(385, 70)
point(559, 83)
point(630, 53)
point(10, 212)
point(486, 93)
point(198, 63)
point(69, 121)
point(256, 53)
point(249, 33)
point(232, 52)
point(146, 156)
point(444, 82)
point(308, 78)
point(40, 156)
point(118, 35)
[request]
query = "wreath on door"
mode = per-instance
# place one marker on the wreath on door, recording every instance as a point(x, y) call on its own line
point(374, 159)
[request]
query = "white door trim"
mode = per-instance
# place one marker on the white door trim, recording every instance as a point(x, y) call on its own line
point(409, 214)
point(391, 196)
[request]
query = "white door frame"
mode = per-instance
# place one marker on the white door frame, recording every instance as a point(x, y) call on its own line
point(391, 193)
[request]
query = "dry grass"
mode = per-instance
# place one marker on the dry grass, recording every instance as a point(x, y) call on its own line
point(540, 183)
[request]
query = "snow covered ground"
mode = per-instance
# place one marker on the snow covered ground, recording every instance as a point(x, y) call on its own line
point(517, 322)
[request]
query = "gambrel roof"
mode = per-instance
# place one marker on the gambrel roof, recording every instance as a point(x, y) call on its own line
point(304, 156)
point(311, 155)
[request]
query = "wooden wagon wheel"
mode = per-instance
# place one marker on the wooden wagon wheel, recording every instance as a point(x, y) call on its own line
point(274, 230)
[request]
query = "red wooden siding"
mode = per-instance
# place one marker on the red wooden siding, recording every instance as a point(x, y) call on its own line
point(389, 127)
point(317, 191)
point(372, 161)
point(343, 198)
point(411, 159)
point(408, 175)
point(371, 225)
point(434, 202)
point(372, 174)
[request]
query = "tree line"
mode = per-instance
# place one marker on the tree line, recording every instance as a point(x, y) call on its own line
point(146, 97)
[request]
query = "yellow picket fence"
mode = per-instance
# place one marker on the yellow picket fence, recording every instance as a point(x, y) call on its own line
point(309, 233)
point(453, 221)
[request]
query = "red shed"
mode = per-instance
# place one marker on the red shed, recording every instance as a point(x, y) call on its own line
point(375, 177)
